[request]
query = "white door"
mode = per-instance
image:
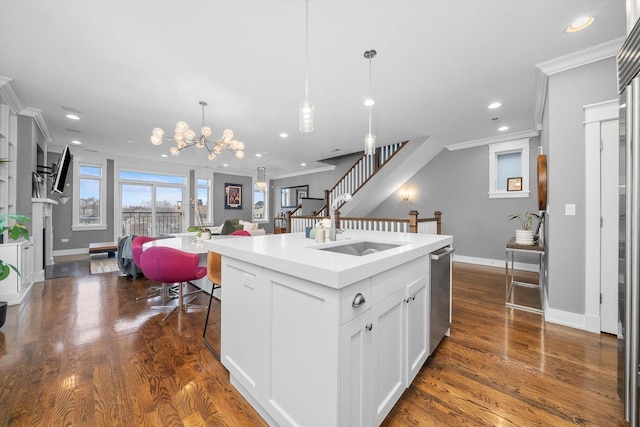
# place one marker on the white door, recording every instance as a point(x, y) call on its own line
point(609, 247)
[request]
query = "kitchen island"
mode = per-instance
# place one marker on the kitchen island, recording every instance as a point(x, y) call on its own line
point(325, 334)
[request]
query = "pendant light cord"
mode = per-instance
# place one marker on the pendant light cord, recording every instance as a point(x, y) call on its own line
point(306, 79)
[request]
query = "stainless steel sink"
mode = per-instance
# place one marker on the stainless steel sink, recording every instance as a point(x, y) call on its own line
point(360, 248)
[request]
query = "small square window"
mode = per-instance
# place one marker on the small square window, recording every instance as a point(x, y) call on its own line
point(509, 169)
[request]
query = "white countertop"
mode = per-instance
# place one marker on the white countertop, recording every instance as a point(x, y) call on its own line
point(296, 255)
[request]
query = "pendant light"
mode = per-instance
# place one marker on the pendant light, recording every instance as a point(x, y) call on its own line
point(306, 108)
point(370, 138)
point(261, 181)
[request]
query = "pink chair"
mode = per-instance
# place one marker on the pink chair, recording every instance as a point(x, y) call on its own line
point(240, 233)
point(136, 251)
point(169, 265)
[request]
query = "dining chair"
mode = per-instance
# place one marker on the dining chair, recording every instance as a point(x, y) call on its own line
point(136, 251)
point(214, 273)
point(168, 265)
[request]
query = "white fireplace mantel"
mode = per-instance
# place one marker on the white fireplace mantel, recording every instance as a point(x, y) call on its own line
point(42, 220)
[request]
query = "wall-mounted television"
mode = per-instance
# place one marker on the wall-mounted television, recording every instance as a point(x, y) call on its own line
point(60, 171)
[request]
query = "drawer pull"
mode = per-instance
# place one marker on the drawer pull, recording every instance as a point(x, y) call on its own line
point(369, 326)
point(358, 300)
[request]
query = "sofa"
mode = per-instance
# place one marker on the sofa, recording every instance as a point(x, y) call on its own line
point(231, 225)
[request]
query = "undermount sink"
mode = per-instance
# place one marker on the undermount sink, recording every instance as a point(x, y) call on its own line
point(360, 248)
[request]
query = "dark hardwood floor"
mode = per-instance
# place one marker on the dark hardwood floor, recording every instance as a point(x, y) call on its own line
point(81, 351)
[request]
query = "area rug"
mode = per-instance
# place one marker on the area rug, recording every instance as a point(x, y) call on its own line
point(104, 265)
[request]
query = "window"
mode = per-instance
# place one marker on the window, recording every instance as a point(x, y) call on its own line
point(509, 160)
point(89, 190)
point(203, 190)
point(260, 213)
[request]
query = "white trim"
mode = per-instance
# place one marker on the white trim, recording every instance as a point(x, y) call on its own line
point(573, 320)
point(66, 252)
point(522, 146)
point(495, 263)
point(581, 57)
point(36, 114)
point(92, 161)
point(492, 140)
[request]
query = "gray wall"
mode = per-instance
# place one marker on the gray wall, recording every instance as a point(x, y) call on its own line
point(220, 214)
point(568, 93)
point(457, 184)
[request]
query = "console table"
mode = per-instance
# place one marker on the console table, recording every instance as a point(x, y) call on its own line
point(512, 249)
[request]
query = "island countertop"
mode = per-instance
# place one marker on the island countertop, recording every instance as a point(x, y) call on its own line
point(293, 254)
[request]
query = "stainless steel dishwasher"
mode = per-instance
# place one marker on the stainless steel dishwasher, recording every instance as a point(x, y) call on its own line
point(440, 296)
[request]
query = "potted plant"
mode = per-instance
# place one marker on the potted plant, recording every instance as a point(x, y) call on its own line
point(15, 232)
point(524, 236)
point(204, 233)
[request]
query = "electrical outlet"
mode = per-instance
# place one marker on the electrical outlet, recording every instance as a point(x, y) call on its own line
point(64, 240)
point(570, 210)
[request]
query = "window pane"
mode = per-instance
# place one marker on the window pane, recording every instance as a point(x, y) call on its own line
point(508, 167)
point(150, 177)
point(168, 210)
point(203, 182)
point(258, 204)
point(89, 192)
point(136, 210)
point(203, 202)
point(90, 170)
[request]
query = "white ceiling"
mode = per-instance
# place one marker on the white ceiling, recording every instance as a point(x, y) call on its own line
point(130, 66)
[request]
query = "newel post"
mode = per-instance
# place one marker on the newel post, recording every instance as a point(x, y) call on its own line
point(413, 221)
point(438, 215)
point(288, 213)
point(327, 207)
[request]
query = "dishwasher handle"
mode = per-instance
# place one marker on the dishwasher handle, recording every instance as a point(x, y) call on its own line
point(444, 252)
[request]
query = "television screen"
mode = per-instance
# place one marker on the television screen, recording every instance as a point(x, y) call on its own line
point(60, 171)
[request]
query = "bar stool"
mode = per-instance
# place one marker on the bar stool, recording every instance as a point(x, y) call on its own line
point(168, 265)
point(214, 273)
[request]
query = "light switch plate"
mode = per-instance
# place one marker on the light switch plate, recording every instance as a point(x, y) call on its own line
point(570, 209)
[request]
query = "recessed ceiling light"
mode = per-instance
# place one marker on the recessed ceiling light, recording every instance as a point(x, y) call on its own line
point(580, 24)
point(225, 165)
point(284, 135)
point(303, 164)
point(131, 142)
point(163, 155)
point(494, 105)
point(369, 102)
point(76, 142)
point(503, 128)
point(73, 117)
point(258, 155)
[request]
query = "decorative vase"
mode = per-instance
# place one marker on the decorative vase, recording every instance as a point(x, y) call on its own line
point(3, 312)
point(205, 235)
point(524, 237)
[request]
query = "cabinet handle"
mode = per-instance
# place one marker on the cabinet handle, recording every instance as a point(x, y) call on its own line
point(358, 300)
point(369, 326)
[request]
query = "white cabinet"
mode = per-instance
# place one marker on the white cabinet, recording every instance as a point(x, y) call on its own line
point(19, 254)
point(384, 347)
point(310, 355)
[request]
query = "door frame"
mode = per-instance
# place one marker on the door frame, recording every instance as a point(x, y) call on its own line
point(594, 115)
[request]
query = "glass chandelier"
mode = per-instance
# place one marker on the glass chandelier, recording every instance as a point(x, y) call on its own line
point(306, 108)
point(370, 138)
point(261, 181)
point(185, 138)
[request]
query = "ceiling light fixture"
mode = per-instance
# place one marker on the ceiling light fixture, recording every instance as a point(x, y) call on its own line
point(284, 135)
point(494, 105)
point(370, 138)
point(261, 181)
point(580, 24)
point(72, 117)
point(306, 108)
point(185, 138)
point(76, 142)
point(503, 128)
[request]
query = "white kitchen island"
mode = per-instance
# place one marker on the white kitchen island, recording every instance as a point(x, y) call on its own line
point(313, 337)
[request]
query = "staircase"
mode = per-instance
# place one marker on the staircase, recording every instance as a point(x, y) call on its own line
point(372, 179)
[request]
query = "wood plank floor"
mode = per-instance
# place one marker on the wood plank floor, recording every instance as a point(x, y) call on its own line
point(81, 351)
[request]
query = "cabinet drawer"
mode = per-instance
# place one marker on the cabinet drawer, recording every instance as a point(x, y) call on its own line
point(358, 294)
point(388, 282)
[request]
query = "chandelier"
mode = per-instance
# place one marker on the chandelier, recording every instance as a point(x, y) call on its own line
point(370, 138)
point(185, 138)
point(261, 181)
point(306, 108)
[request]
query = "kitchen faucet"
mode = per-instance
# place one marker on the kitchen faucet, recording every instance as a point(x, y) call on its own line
point(344, 197)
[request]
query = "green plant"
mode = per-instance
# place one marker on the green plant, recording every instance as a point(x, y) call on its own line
point(526, 219)
point(200, 228)
point(15, 232)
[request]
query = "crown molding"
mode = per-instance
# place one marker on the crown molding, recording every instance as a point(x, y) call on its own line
point(493, 140)
point(9, 94)
point(581, 57)
point(36, 114)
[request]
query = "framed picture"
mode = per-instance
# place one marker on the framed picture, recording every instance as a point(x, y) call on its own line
point(514, 184)
point(233, 196)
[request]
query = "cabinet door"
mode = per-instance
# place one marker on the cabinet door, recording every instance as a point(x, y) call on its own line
point(10, 254)
point(388, 358)
point(417, 327)
point(355, 372)
point(242, 327)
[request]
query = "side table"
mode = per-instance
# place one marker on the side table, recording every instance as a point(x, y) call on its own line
point(511, 249)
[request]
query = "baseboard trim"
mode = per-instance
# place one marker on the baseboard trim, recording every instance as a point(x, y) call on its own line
point(494, 263)
point(65, 252)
